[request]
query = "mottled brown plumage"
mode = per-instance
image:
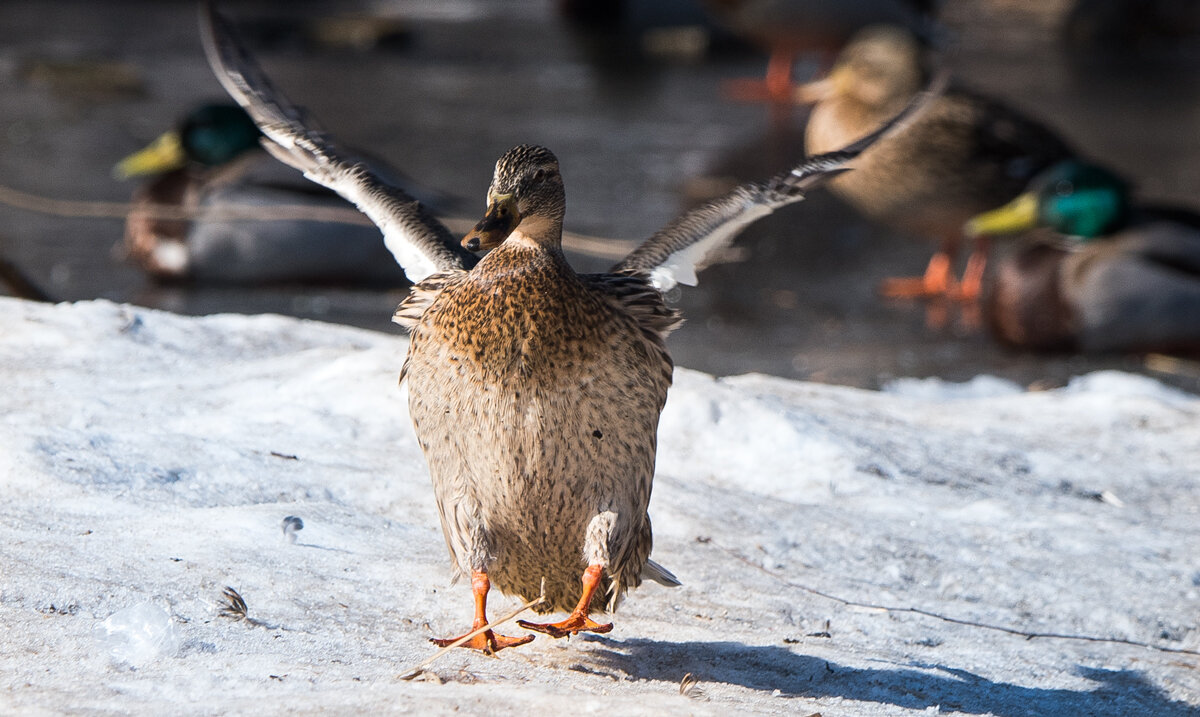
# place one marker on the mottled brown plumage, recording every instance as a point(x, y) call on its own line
point(536, 394)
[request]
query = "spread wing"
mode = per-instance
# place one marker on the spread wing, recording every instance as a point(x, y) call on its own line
point(420, 243)
point(677, 251)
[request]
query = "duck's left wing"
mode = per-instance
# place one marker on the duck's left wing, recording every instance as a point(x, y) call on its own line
point(420, 243)
point(677, 251)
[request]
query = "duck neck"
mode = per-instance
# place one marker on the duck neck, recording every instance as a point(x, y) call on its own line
point(542, 232)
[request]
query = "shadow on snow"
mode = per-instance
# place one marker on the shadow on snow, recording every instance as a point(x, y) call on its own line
point(770, 668)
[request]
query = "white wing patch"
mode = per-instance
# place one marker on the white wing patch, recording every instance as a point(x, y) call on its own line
point(681, 267)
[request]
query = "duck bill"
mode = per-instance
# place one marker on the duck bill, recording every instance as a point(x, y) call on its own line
point(1021, 214)
point(162, 155)
point(491, 231)
point(810, 93)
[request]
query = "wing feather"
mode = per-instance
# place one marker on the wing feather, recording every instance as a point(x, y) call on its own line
point(420, 243)
point(676, 252)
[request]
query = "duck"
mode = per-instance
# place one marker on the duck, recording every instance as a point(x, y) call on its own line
point(788, 29)
point(534, 391)
point(1102, 273)
point(217, 209)
point(968, 153)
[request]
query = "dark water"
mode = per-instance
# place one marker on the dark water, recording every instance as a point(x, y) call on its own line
point(638, 138)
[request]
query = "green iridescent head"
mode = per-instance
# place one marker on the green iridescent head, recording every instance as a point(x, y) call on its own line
point(210, 136)
point(1072, 198)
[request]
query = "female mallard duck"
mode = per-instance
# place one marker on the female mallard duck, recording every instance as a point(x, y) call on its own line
point(1119, 278)
point(534, 391)
point(254, 220)
point(965, 155)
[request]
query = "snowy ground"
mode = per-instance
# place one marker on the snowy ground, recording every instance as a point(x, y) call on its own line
point(147, 461)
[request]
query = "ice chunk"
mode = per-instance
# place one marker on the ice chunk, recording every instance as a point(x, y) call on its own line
point(139, 634)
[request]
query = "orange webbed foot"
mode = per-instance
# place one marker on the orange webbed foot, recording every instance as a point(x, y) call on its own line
point(910, 287)
point(487, 642)
point(776, 87)
point(575, 623)
point(936, 282)
point(938, 285)
point(756, 91)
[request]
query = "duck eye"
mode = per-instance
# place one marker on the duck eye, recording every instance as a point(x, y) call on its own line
point(1064, 188)
point(539, 175)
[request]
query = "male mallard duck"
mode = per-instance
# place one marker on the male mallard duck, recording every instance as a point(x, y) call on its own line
point(788, 28)
point(535, 392)
point(213, 165)
point(1119, 278)
point(965, 155)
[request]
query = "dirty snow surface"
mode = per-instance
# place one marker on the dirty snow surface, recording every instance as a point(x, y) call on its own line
point(148, 460)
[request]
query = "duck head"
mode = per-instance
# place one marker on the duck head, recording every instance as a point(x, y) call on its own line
point(881, 68)
point(209, 136)
point(1072, 198)
point(526, 196)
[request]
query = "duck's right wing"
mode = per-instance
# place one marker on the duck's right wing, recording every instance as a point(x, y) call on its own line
point(420, 243)
point(677, 251)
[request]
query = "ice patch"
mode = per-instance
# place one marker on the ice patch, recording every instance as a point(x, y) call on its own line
point(138, 635)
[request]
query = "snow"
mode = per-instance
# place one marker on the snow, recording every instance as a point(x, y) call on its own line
point(148, 460)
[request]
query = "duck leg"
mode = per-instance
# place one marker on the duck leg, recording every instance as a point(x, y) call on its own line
point(937, 281)
point(938, 284)
point(578, 620)
point(487, 642)
point(972, 281)
point(775, 87)
point(971, 287)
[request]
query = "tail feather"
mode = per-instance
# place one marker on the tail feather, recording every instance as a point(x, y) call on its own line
point(659, 574)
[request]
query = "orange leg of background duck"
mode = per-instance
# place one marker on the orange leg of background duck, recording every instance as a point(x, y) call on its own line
point(776, 87)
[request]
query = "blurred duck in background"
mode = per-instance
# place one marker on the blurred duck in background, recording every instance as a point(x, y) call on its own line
point(789, 29)
point(966, 154)
point(1107, 275)
point(251, 219)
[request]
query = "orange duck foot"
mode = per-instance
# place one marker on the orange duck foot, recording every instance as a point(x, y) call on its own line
point(488, 642)
point(776, 87)
point(577, 622)
point(755, 91)
point(937, 282)
point(970, 289)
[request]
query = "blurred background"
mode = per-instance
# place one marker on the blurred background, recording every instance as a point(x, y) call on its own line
point(630, 97)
